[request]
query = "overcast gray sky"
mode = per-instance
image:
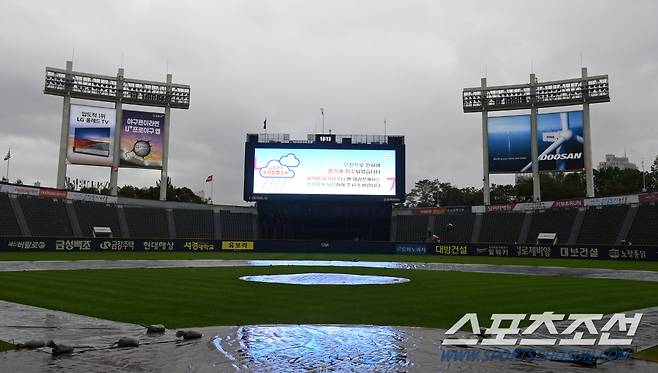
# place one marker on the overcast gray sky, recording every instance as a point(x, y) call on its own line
point(363, 61)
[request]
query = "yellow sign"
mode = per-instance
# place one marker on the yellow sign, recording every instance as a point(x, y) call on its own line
point(451, 249)
point(237, 245)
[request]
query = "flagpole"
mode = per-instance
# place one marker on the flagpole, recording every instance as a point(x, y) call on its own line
point(8, 159)
point(212, 183)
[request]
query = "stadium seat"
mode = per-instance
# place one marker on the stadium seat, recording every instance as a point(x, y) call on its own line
point(644, 230)
point(46, 217)
point(552, 221)
point(91, 214)
point(194, 223)
point(8, 224)
point(237, 226)
point(602, 225)
point(147, 222)
point(411, 228)
point(462, 227)
point(501, 227)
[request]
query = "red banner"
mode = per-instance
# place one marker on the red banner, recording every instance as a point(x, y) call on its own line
point(52, 193)
point(428, 211)
point(649, 197)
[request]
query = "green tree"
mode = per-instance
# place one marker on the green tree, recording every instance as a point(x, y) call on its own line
point(614, 182)
point(425, 193)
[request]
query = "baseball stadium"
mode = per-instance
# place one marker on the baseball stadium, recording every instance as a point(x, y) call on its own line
point(328, 186)
point(325, 269)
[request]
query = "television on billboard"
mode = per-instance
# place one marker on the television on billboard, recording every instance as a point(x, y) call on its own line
point(91, 135)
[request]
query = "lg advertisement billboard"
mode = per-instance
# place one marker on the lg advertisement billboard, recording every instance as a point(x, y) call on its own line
point(559, 142)
point(142, 136)
point(91, 135)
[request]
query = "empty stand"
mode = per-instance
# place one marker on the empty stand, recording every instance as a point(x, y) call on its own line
point(601, 225)
point(552, 221)
point(147, 222)
point(644, 230)
point(462, 227)
point(501, 227)
point(194, 223)
point(237, 226)
point(92, 214)
point(411, 227)
point(46, 217)
point(8, 224)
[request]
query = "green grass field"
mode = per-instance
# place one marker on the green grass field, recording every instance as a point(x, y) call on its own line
point(4, 346)
point(650, 354)
point(576, 263)
point(184, 297)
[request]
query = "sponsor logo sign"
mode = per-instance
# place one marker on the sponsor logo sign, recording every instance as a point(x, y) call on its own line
point(451, 249)
point(237, 245)
point(417, 249)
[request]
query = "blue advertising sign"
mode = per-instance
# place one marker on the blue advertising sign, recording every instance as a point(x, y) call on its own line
point(559, 139)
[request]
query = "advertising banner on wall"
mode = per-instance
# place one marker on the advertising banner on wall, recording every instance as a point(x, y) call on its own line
point(559, 142)
point(91, 135)
point(142, 137)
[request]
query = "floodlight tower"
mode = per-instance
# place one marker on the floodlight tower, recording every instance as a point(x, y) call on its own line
point(533, 96)
point(118, 90)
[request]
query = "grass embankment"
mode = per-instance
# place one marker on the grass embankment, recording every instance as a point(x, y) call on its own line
point(574, 263)
point(650, 354)
point(184, 297)
point(4, 346)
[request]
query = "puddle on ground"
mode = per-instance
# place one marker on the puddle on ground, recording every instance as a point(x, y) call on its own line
point(325, 279)
point(315, 348)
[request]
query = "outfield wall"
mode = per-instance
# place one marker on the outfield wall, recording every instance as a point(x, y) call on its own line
point(630, 253)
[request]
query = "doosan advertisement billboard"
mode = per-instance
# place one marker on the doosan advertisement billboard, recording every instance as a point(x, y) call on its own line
point(559, 142)
point(91, 135)
point(142, 137)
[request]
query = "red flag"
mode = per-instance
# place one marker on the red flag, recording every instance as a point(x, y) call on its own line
point(209, 179)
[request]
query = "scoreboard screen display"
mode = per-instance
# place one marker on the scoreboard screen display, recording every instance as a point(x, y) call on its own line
point(357, 171)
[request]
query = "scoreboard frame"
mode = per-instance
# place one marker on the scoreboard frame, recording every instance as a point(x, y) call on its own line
point(248, 180)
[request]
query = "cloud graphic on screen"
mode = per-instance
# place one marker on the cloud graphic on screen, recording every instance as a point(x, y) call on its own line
point(289, 160)
point(275, 169)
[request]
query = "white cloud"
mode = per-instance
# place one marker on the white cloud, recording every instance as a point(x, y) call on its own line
point(289, 160)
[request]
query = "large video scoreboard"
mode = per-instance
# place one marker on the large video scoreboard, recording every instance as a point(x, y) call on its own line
point(324, 170)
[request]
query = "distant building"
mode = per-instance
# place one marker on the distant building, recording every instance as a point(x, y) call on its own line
point(612, 161)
